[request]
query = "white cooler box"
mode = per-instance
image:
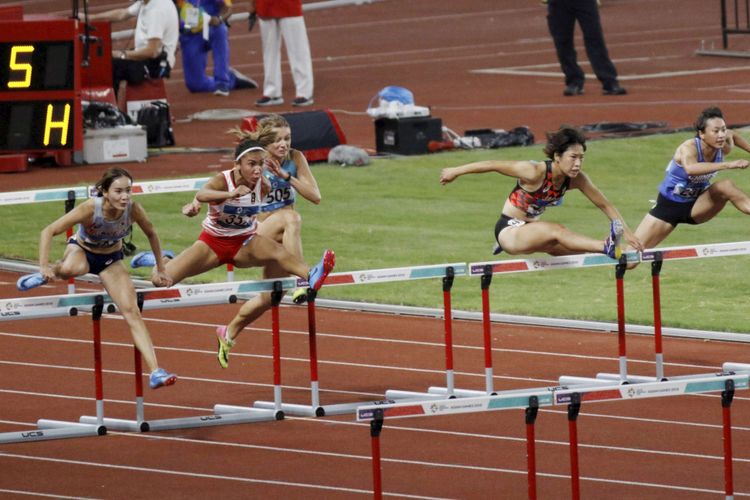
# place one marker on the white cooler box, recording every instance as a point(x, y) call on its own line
point(118, 144)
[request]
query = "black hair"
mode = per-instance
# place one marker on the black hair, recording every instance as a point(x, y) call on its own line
point(706, 114)
point(245, 144)
point(559, 142)
point(109, 176)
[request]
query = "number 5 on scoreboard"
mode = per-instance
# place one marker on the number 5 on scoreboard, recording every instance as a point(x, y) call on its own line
point(26, 68)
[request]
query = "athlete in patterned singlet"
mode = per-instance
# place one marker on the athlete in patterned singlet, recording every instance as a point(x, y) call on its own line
point(540, 185)
point(231, 232)
point(97, 248)
point(686, 194)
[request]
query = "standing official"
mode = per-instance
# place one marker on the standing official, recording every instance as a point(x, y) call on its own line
point(561, 18)
point(282, 19)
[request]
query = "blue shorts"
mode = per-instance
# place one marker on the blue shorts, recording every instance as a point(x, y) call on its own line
point(98, 262)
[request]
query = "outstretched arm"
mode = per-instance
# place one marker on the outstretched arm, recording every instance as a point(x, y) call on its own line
point(524, 170)
point(582, 182)
point(738, 140)
point(687, 156)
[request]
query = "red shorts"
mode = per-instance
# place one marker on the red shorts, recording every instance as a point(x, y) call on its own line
point(225, 247)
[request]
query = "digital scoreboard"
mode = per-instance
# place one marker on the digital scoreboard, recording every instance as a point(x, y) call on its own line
point(40, 98)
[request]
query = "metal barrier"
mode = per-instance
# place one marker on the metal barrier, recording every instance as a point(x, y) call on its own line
point(735, 20)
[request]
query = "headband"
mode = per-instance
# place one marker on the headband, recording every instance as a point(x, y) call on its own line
point(248, 150)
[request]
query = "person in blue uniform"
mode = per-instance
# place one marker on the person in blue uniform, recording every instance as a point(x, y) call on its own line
point(543, 184)
point(96, 248)
point(686, 194)
point(204, 29)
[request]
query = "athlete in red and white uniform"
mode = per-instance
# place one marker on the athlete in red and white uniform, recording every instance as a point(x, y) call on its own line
point(230, 231)
point(540, 185)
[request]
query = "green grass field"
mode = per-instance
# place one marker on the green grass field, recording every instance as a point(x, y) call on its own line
point(395, 213)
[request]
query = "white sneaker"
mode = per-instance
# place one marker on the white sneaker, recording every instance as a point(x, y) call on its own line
point(221, 92)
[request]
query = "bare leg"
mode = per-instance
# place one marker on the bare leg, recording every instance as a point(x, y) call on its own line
point(255, 307)
point(651, 231)
point(262, 251)
point(73, 263)
point(192, 261)
point(715, 198)
point(119, 286)
point(283, 226)
point(548, 237)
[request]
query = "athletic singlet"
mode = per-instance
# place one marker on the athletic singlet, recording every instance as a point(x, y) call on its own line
point(103, 233)
point(679, 186)
point(234, 217)
point(282, 193)
point(534, 204)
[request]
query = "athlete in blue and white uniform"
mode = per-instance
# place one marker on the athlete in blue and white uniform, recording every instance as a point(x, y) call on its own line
point(543, 184)
point(103, 222)
point(686, 194)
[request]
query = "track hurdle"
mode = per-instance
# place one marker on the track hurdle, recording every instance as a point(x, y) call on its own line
point(656, 257)
point(572, 397)
point(202, 295)
point(158, 298)
point(485, 270)
point(46, 307)
point(445, 271)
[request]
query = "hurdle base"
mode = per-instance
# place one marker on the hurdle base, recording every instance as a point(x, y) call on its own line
point(117, 424)
point(459, 393)
point(292, 409)
point(631, 379)
point(735, 367)
point(232, 409)
point(568, 381)
point(53, 429)
point(244, 417)
point(406, 396)
point(321, 411)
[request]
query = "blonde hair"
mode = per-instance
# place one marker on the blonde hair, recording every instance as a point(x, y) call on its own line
point(264, 135)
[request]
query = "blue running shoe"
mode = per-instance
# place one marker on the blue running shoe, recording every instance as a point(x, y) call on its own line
point(319, 273)
point(613, 243)
point(160, 378)
point(29, 281)
point(146, 259)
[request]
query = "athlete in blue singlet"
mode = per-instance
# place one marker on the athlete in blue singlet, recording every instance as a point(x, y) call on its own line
point(686, 194)
point(96, 248)
point(541, 185)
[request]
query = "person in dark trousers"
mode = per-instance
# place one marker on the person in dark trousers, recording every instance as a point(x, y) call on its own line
point(561, 18)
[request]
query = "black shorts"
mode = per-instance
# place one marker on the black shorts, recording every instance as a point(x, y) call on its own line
point(673, 212)
point(98, 262)
point(503, 222)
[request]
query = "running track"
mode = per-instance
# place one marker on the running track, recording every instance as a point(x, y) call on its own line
point(659, 448)
point(649, 449)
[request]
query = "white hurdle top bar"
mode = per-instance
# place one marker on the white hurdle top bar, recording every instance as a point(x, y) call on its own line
point(395, 274)
point(153, 298)
point(550, 396)
point(83, 192)
point(596, 259)
point(211, 293)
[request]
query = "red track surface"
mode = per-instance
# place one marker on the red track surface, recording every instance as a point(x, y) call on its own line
point(651, 449)
point(660, 448)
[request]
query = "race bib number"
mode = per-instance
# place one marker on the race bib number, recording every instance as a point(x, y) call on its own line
point(279, 195)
